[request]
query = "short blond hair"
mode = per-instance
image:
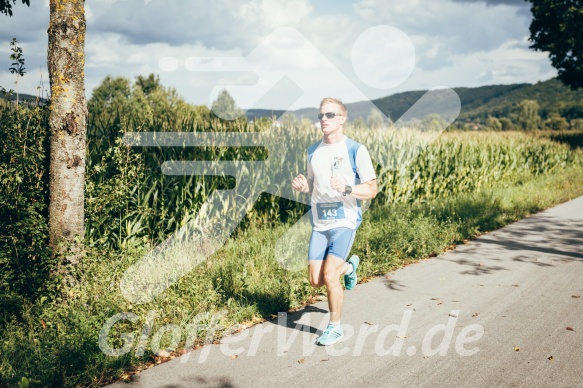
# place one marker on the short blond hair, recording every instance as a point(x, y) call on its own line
point(331, 100)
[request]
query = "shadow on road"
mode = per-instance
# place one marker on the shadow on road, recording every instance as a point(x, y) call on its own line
point(291, 320)
point(529, 241)
point(394, 285)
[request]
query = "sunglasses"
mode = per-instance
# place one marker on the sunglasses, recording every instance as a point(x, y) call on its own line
point(329, 115)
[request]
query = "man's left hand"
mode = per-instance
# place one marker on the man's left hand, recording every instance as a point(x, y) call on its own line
point(337, 184)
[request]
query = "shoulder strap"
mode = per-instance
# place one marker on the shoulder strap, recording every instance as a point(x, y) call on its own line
point(353, 147)
point(312, 149)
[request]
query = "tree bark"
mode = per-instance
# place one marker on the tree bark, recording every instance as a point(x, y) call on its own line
point(68, 125)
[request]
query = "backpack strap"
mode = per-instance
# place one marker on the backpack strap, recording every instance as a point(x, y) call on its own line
point(353, 147)
point(312, 149)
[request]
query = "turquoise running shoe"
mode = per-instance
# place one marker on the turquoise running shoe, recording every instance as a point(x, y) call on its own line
point(351, 280)
point(331, 335)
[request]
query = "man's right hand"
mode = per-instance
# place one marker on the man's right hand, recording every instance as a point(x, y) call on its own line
point(300, 183)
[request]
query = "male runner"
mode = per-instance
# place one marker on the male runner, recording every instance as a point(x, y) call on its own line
point(340, 174)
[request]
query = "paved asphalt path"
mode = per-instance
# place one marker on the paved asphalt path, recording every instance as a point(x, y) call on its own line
point(504, 310)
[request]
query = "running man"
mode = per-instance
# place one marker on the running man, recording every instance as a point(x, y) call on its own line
point(340, 174)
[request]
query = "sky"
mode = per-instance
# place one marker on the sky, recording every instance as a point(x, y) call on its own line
point(277, 54)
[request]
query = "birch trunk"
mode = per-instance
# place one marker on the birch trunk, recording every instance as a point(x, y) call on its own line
point(68, 124)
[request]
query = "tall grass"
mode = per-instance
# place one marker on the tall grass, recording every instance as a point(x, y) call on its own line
point(130, 201)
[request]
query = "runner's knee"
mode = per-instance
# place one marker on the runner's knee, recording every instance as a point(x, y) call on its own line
point(316, 283)
point(331, 278)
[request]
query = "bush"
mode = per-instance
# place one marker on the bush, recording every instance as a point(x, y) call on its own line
point(507, 124)
point(576, 124)
point(494, 123)
point(556, 123)
point(24, 253)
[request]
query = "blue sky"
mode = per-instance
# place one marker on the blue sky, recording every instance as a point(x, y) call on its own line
point(353, 50)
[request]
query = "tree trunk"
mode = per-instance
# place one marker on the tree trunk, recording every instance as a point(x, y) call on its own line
point(68, 124)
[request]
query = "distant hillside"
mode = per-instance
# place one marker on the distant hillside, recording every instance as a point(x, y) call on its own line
point(552, 96)
point(477, 103)
point(21, 96)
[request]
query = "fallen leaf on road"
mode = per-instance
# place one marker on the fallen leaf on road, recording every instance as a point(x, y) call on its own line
point(550, 358)
point(402, 336)
point(325, 359)
point(576, 296)
point(475, 315)
point(234, 356)
point(370, 324)
point(301, 361)
point(515, 285)
point(570, 328)
point(452, 315)
point(440, 302)
point(434, 299)
point(516, 348)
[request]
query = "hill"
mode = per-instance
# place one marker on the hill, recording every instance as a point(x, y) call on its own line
point(477, 103)
point(21, 96)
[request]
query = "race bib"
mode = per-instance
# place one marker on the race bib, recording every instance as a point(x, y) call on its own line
point(330, 211)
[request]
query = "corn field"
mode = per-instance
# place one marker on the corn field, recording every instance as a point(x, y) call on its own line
point(138, 195)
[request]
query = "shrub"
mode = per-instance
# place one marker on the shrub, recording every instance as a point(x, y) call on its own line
point(556, 123)
point(24, 253)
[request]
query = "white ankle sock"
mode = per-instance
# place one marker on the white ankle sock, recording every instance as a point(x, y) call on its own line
point(350, 269)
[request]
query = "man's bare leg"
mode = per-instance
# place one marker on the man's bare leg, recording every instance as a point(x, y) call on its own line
point(334, 267)
point(316, 273)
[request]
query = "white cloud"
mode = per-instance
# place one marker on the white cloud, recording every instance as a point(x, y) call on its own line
point(456, 43)
point(383, 57)
point(275, 14)
point(460, 27)
point(511, 62)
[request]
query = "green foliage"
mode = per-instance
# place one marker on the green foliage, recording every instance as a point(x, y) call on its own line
point(572, 138)
point(375, 118)
point(556, 123)
point(556, 27)
point(458, 163)
point(18, 58)
point(149, 84)
point(225, 107)
point(493, 123)
point(357, 123)
point(116, 106)
point(17, 66)
point(6, 6)
point(113, 216)
point(528, 116)
point(26, 383)
point(576, 124)
point(24, 254)
point(506, 124)
point(110, 99)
